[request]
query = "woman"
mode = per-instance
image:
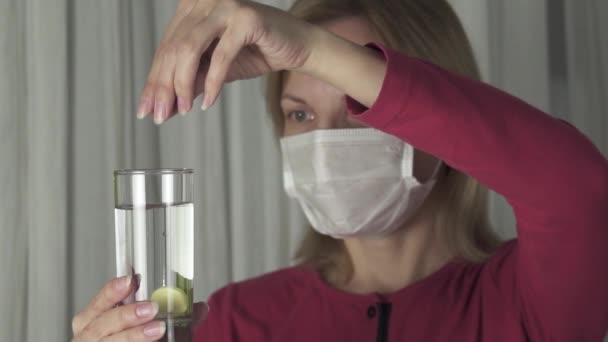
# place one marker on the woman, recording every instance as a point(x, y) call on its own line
point(383, 150)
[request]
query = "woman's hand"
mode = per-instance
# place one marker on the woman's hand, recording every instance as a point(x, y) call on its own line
point(103, 320)
point(212, 42)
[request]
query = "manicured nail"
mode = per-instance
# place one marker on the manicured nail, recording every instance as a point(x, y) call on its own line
point(144, 310)
point(161, 111)
point(137, 278)
point(182, 105)
point(206, 103)
point(140, 111)
point(123, 283)
point(155, 329)
point(143, 109)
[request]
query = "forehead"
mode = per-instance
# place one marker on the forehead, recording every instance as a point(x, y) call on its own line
point(354, 29)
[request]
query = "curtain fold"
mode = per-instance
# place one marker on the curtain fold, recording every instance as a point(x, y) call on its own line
point(13, 252)
point(46, 113)
point(70, 73)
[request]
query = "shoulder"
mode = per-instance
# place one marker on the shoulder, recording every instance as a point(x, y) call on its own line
point(493, 276)
point(254, 307)
point(282, 285)
point(498, 268)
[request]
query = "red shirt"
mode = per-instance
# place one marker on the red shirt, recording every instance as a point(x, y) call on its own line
point(549, 285)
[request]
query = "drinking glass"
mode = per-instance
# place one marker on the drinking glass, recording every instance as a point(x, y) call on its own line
point(154, 219)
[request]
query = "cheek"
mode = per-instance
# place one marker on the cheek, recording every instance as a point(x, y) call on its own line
point(291, 127)
point(354, 123)
point(424, 165)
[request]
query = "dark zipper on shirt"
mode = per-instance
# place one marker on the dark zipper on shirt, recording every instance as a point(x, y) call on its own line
point(384, 314)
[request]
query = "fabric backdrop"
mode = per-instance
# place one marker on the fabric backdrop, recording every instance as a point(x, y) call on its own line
point(70, 73)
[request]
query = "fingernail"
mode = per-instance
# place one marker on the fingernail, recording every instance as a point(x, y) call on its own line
point(143, 109)
point(155, 329)
point(137, 278)
point(144, 310)
point(123, 283)
point(205, 105)
point(182, 105)
point(159, 112)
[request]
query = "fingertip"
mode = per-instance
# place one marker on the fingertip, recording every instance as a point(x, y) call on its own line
point(144, 108)
point(183, 105)
point(206, 102)
point(161, 111)
point(123, 283)
point(155, 329)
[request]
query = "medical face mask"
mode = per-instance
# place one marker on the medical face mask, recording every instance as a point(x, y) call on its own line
point(353, 182)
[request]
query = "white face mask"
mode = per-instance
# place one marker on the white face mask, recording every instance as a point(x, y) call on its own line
point(352, 182)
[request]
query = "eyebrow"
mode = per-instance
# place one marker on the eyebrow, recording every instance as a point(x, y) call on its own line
point(293, 98)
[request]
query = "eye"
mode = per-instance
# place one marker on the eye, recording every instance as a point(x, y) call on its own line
point(300, 116)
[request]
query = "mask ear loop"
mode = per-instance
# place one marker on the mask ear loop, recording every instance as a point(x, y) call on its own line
point(407, 161)
point(288, 182)
point(407, 164)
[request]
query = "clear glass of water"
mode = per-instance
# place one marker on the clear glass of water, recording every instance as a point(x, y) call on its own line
point(154, 220)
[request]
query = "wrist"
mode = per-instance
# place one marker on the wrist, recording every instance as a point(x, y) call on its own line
point(322, 48)
point(356, 70)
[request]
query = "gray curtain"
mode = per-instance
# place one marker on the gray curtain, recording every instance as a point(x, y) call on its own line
point(70, 73)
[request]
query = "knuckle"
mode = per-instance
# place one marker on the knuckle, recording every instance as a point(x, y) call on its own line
point(188, 47)
point(211, 80)
point(152, 74)
point(167, 50)
point(162, 89)
point(171, 49)
point(219, 54)
point(185, 6)
point(148, 90)
point(247, 14)
point(76, 324)
point(131, 335)
point(92, 331)
point(126, 313)
point(97, 306)
point(134, 335)
point(182, 86)
point(106, 299)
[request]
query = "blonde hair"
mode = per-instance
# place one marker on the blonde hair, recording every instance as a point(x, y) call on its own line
point(430, 30)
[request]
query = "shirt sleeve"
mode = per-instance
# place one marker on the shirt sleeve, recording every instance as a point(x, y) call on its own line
point(551, 174)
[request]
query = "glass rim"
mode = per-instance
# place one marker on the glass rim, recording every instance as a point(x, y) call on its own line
point(127, 172)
